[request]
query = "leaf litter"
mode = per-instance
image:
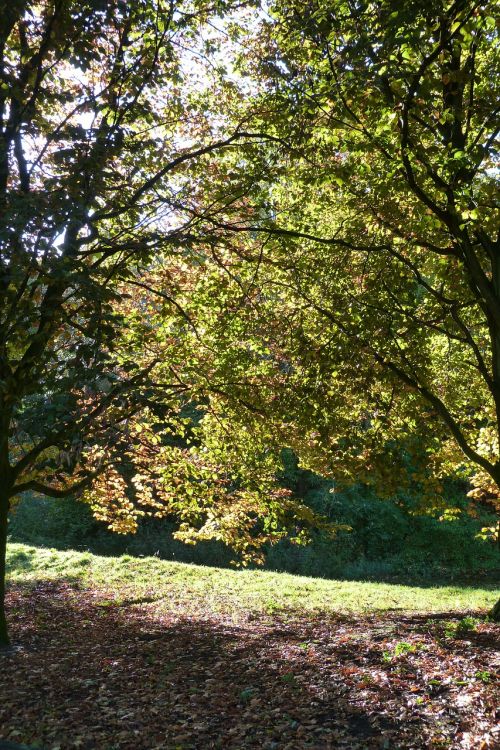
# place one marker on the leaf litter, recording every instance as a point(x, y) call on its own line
point(90, 670)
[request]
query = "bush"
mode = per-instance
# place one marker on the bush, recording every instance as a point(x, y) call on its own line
point(39, 520)
point(69, 523)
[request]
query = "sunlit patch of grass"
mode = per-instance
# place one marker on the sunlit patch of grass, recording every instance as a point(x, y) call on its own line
point(483, 676)
point(462, 627)
point(174, 586)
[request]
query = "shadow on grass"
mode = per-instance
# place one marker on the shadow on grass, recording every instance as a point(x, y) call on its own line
point(88, 674)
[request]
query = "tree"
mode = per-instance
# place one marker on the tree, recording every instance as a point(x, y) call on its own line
point(371, 237)
point(98, 123)
point(82, 106)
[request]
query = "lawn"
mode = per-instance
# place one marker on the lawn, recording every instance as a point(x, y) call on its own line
point(144, 654)
point(193, 588)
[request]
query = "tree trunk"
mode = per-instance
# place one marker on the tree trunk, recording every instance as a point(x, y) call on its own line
point(4, 512)
point(495, 612)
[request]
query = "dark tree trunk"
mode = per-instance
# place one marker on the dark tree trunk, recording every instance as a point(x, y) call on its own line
point(4, 511)
point(495, 612)
point(5, 494)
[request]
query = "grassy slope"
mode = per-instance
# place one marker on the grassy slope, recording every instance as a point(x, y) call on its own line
point(213, 590)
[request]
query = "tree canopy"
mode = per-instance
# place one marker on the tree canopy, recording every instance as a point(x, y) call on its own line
point(374, 228)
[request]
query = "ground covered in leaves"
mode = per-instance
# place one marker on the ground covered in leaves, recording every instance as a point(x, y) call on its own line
point(92, 669)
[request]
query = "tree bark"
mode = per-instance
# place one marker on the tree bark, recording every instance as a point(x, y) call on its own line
point(494, 614)
point(4, 512)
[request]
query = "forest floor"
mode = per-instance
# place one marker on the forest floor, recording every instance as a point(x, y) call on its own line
point(139, 654)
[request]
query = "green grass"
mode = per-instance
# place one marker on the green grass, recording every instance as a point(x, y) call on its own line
point(195, 589)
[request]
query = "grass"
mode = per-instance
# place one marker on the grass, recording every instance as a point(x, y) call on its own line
point(191, 588)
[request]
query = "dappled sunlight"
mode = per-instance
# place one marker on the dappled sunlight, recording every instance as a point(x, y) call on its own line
point(151, 678)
